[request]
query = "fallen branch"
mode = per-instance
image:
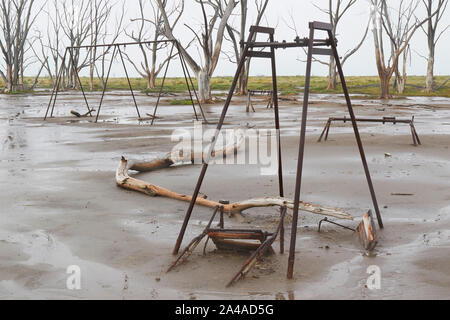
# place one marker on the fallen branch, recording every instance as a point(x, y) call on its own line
point(124, 181)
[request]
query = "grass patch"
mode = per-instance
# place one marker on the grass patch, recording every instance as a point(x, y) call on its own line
point(362, 86)
point(176, 102)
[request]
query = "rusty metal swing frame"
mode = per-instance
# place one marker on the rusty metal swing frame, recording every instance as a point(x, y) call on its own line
point(384, 120)
point(315, 47)
point(117, 51)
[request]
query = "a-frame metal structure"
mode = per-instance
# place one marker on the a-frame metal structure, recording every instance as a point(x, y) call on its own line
point(315, 47)
point(117, 51)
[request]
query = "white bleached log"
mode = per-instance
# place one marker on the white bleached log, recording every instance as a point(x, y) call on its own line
point(124, 181)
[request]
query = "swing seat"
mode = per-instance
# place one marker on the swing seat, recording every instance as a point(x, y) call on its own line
point(238, 239)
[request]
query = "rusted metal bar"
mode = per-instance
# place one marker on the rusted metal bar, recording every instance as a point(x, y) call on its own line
point(222, 213)
point(184, 67)
point(74, 67)
point(322, 26)
point(260, 29)
point(301, 153)
point(105, 84)
point(356, 130)
point(120, 44)
point(213, 145)
point(193, 89)
point(162, 87)
point(383, 120)
point(277, 128)
point(129, 82)
point(325, 130)
point(259, 54)
point(332, 222)
point(55, 90)
point(194, 243)
point(284, 45)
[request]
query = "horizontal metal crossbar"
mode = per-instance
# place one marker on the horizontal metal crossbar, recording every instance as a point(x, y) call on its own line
point(321, 26)
point(259, 54)
point(259, 29)
point(283, 45)
point(120, 44)
point(382, 120)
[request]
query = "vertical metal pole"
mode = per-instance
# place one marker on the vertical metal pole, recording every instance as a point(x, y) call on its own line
point(328, 130)
point(213, 145)
point(324, 130)
point(105, 84)
point(187, 82)
point(412, 134)
point(129, 82)
point(193, 89)
point(290, 273)
point(355, 128)
point(416, 134)
point(56, 87)
point(277, 127)
point(222, 221)
point(162, 86)
point(74, 67)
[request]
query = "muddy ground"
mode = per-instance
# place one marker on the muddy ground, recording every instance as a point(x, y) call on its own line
point(59, 205)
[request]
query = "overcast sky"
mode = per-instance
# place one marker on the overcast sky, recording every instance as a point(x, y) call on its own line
point(279, 13)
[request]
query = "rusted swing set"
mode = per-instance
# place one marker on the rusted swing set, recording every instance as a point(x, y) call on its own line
point(117, 51)
point(220, 235)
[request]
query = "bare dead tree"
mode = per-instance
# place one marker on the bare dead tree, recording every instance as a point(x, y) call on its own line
point(149, 68)
point(211, 50)
point(16, 20)
point(76, 26)
point(335, 12)
point(50, 43)
point(99, 12)
point(234, 34)
point(399, 31)
point(433, 36)
point(101, 32)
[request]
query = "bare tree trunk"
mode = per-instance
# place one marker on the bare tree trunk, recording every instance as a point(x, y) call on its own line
point(16, 20)
point(204, 86)
point(385, 86)
point(211, 50)
point(399, 38)
point(150, 67)
point(429, 86)
point(332, 74)
point(402, 78)
point(433, 37)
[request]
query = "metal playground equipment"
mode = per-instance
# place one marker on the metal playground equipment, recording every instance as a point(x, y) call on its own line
point(252, 49)
point(117, 51)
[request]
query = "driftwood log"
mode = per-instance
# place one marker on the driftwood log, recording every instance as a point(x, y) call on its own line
point(124, 181)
